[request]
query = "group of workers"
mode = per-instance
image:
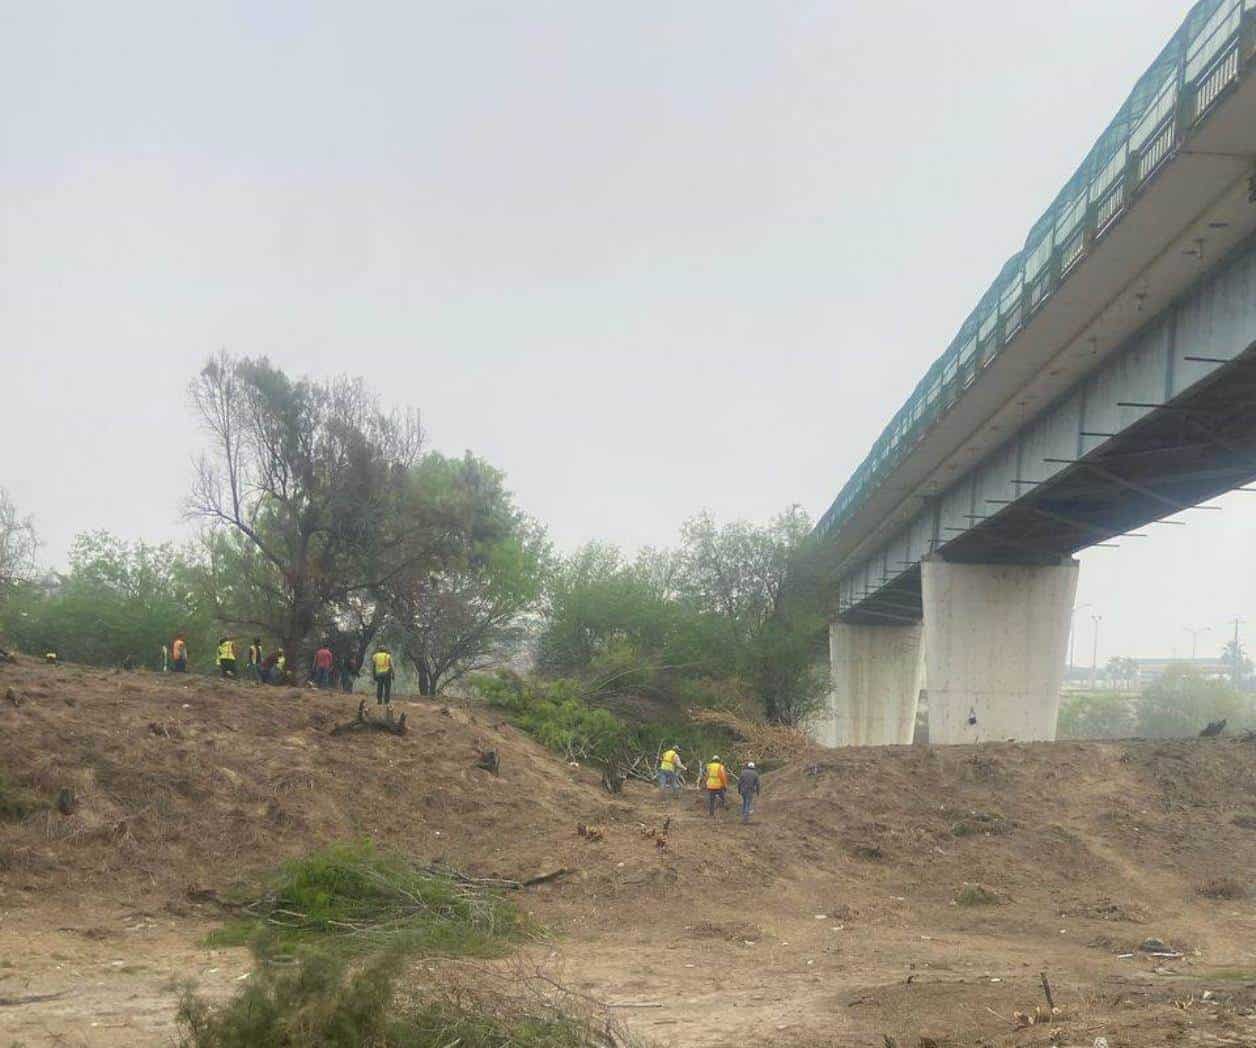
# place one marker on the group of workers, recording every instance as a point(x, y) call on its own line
point(714, 780)
point(263, 667)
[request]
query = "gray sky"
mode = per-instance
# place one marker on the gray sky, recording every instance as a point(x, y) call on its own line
point(648, 258)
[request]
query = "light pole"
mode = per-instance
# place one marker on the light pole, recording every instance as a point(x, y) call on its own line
point(1072, 631)
point(1094, 652)
point(1195, 632)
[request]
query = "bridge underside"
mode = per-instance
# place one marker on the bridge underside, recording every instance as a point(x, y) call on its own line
point(1200, 445)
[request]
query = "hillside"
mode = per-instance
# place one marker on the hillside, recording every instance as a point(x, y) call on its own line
point(831, 919)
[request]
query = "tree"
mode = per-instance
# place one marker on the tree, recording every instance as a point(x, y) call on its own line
point(307, 475)
point(119, 602)
point(1181, 703)
point(18, 543)
point(457, 604)
point(1234, 656)
point(716, 609)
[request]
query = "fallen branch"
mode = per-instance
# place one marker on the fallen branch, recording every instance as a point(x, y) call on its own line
point(34, 998)
point(1046, 989)
point(363, 722)
point(543, 878)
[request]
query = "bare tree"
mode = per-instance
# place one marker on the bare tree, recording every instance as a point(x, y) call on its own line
point(18, 543)
point(310, 475)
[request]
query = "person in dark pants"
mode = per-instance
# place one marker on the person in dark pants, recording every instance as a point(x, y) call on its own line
point(716, 777)
point(227, 657)
point(254, 665)
point(348, 673)
point(382, 669)
point(748, 787)
point(323, 663)
point(179, 655)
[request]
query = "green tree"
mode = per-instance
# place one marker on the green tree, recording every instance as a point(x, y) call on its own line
point(1234, 656)
point(1181, 703)
point(308, 476)
point(119, 602)
point(457, 605)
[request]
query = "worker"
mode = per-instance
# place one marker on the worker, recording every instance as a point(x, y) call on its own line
point(273, 667)
point(348, 673)
point(179, 655)
point(382, 671)
point(253, 668)
point(748, 787)
point(50, 657)
point(227, 656)
point(716, 784)
point(323, 662)
point(669, 765)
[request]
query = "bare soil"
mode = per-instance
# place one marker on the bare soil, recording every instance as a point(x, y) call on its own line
point(832, 919)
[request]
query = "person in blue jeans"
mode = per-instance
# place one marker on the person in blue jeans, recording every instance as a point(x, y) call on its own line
point(748, 787)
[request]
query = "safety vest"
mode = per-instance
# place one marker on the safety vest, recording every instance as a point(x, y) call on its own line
point(226, 650)
point(717, 777)
point(668, 763)
point(382, 662)
point(281, 662)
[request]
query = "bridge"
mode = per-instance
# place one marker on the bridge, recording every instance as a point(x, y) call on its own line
point(1106, 381)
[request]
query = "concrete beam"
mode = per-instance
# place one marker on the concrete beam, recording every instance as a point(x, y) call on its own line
point(996, 638)
point(876, 674)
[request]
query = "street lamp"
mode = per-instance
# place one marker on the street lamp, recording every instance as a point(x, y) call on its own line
point(1072, 631)
point(1094, 653)
point(1195, 632)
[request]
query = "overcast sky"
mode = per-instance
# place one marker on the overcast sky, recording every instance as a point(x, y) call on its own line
point(648, 258)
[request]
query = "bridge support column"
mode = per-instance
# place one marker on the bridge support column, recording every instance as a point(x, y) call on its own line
point(875, 674)
point(996, 637)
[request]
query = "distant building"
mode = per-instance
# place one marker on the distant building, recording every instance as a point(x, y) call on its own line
point(1153, 669)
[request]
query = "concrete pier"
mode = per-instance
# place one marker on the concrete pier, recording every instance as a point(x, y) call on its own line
point(876, 674)
point(995, 637)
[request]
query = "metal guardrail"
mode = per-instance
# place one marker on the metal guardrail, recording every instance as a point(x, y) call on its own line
point(1177, 92)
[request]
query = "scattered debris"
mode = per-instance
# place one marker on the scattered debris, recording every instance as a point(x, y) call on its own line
point(489, 760)
point(65, 801)
point(591, 833)
point(1214, 729)
point(13, 696)
point(1223, 888)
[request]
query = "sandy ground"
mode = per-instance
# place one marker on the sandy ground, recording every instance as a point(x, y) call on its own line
point(830, 920)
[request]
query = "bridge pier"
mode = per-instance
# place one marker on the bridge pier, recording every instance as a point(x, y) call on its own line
point(996, 639)
point(876, 674)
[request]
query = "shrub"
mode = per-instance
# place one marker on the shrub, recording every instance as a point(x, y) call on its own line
point(557, 715)
point(977, 895)
point(321, 1003)
point(357, 898)
point(1181, 703)
point(1096, 715)
point(17, 803)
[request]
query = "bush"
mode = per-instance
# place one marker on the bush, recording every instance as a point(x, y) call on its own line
point(17, 803)
point(978, 895)
point(321, 1003)
point(1096, 715)
point(557, 715)
point(1181, 703)
point(356, 898)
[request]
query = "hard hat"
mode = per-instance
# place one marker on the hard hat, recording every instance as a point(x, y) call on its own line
point(715, 756)
point(749, 764)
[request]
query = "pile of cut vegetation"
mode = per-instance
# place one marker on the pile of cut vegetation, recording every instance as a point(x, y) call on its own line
point(337, 932)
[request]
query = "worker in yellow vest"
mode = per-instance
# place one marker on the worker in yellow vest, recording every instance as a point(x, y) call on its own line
point(227, 656)
point(669, 766)
point(716, 776)
point(382, 670)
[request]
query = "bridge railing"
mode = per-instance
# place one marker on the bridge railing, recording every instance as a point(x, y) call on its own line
point(1180, 90)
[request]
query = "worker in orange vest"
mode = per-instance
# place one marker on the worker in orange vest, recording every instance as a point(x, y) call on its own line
point(716, 784)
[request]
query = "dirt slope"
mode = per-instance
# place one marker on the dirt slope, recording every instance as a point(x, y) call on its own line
point(831, 919)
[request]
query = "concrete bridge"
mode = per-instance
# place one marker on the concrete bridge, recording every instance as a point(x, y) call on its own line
point(1106, 381)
